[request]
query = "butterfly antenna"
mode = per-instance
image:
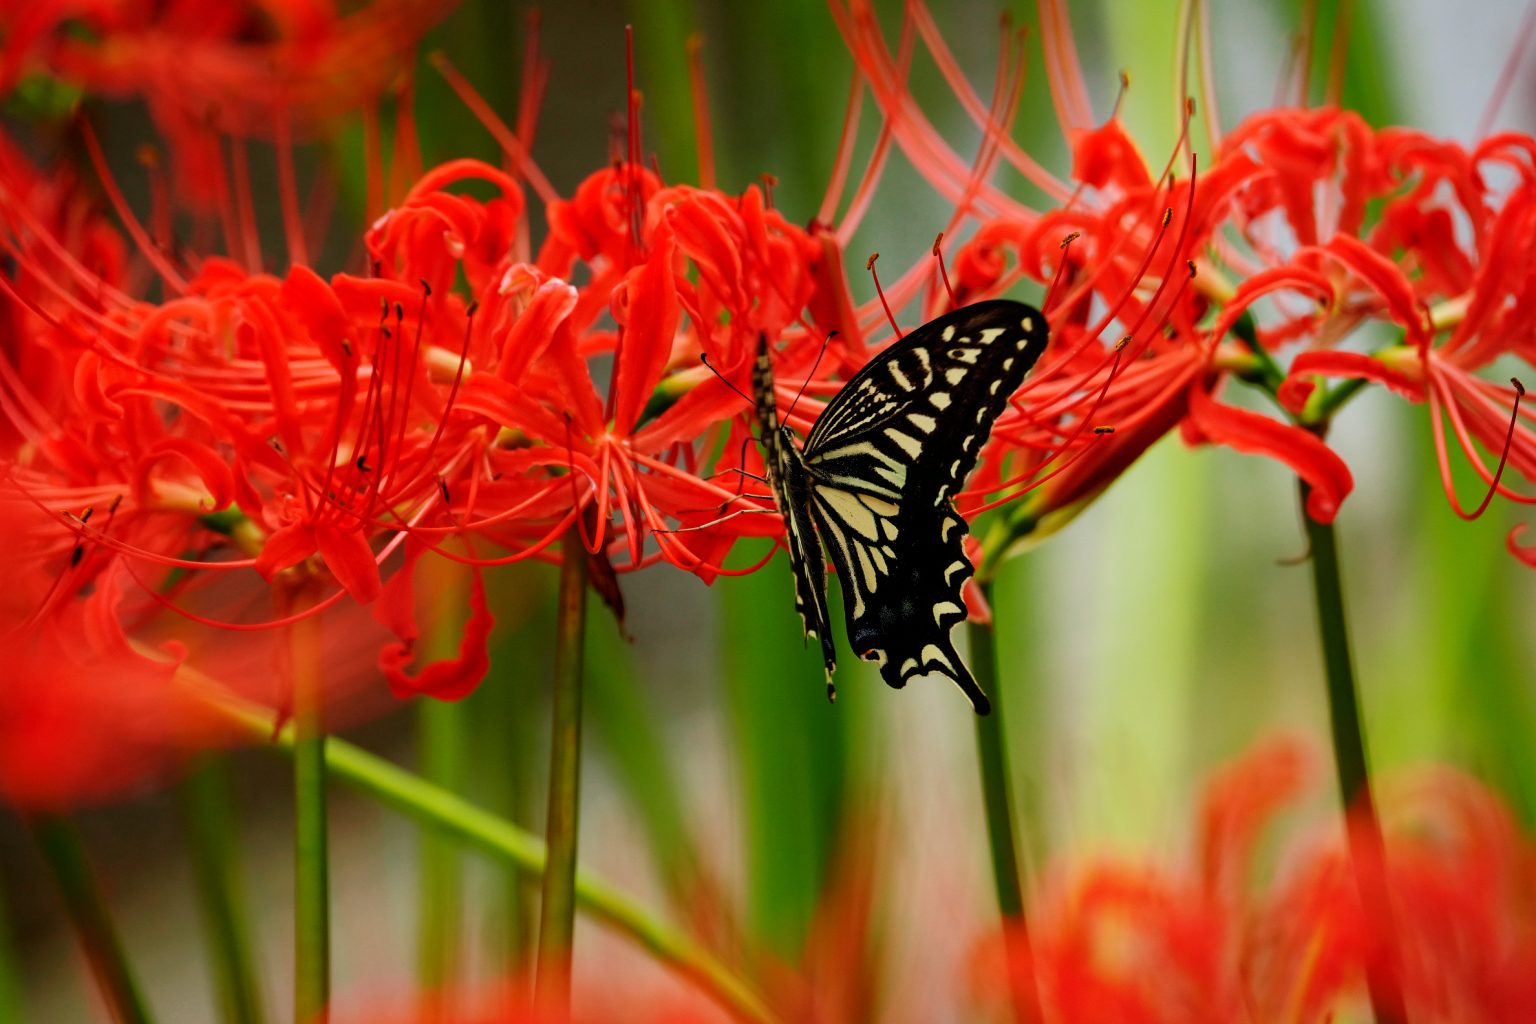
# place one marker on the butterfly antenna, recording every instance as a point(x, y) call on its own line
point(870, 266)
point(825, 342)
point(704, 358)
point(938, 254)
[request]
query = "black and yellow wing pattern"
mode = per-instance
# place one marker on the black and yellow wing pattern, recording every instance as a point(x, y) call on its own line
point(876, 477)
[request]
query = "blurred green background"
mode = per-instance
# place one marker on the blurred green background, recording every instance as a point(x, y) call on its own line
point(1157, 636)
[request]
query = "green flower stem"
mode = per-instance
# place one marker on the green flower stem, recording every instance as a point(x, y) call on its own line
point(557, 907)
point(442, 740)
point(992, 758)
point(206, 803)
point(10, 975)
point(311, 882)
point(1367, 850)
point(61, 849)
point(431, 805)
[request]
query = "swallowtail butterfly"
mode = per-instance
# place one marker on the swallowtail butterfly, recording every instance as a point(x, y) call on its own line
point(875, 479)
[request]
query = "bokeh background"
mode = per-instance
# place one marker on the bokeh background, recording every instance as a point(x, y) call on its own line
point(1159, 635)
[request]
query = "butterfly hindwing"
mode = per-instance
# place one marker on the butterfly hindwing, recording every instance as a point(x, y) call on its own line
point(884, 459)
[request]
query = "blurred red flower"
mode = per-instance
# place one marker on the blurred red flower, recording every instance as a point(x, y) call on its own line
point(210, 73)
point(1215, 942)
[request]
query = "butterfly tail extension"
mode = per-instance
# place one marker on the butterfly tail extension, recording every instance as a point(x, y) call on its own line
point(932, 656)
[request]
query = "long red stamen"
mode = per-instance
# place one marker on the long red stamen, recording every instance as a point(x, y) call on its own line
point(874, 167)
point(530, 98)
point(938, 254)
point(1069, 92)
point(1338, 54)
point(960, 86)
point(1509, 438)
point(288, 196)
point(245, 204)
point(159, 200)
point(453, 393)
point(407, 138)
point(1439, 394)
point(131, 223)
point(512, 146)
point(632, 135)
point(1048, 304)
point(1303, 82)
point(846, 137)
point(1507, 73)
point(703, 136)
point(870, 266)
point(373, 166)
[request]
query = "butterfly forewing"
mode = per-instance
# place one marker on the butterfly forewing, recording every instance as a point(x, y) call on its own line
point(790, 483)
point(883, 461)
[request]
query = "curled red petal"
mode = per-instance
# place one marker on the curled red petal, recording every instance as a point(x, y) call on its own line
point(1335, 363)
point(1385, 278)
point(1107, 155)
point(205, 463)
point(1526, 554)
point(1304, 452)
point(448, 679)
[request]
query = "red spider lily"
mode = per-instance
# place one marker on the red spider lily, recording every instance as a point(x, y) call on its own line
point(1141, 944)
point(513, 1003)
point(83, 715)
point(292, 416)
point(1444, 259)
point(1131, 354)
point(242, 70)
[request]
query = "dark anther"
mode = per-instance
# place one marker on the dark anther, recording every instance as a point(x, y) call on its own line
point(474, 307)
point(870, 263)
point(442, 485)
point(425, 286)
point(1103, 430)
point(362, 463)
point(112, 509)
point(1519, 388)
point(399, 312)
point(77, 556)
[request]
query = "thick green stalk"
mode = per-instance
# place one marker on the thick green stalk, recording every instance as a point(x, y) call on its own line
point(992, 759)
point(311, 881)
point(207, 809)
point(1367, 850)
point(61, 849)
point(10, 977)
point(409, 794)
point(441, 741)
point(557, 908)
point(443, 738)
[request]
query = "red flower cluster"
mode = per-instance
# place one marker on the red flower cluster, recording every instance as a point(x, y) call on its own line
point(1307, 225)
point(273, 69)
point(1138, 944)
point(478, 399)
